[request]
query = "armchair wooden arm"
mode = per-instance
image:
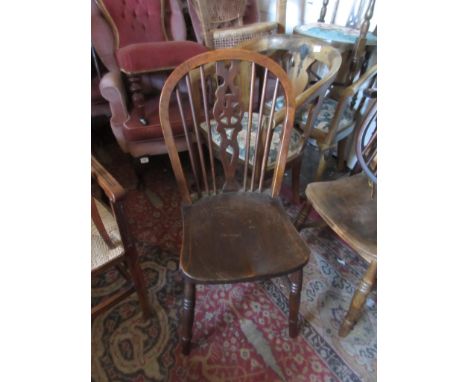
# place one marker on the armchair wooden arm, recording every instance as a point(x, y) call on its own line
point(113, 190)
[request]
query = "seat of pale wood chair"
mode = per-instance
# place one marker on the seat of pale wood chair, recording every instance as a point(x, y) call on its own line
point(250, 237)
point(101, 253)
point(348, 208)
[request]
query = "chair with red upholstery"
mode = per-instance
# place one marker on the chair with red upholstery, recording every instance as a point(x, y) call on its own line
point(139, 41)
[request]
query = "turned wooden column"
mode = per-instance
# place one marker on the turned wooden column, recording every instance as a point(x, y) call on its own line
point(323, 11)
point(138, 98)
point(294, 302)
point(187, 315)
point(360, 46)
point(360, 295)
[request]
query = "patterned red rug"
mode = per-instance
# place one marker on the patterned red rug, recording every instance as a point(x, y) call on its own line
point(240, 331)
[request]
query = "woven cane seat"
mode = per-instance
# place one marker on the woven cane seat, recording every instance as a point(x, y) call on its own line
point(101, 254)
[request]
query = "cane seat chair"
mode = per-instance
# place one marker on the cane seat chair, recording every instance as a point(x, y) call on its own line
point(234, 227)
point(226, 23)
point(111, 242)
point(349, 206)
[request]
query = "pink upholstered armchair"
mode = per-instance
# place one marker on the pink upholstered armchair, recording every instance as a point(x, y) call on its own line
point(139, 41)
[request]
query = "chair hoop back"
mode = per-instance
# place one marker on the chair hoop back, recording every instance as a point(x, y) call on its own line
point(366, 142)
point(216, 82)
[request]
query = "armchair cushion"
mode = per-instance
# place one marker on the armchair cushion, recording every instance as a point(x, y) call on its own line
point(324, 117)
point(295, 143)
point(153, 56)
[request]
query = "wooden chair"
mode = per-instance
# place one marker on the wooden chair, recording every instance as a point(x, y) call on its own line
point(301, 59)
point(349, 206)
point(234, 228)
point(111, 242)
point(226, 23)
point(355, 61)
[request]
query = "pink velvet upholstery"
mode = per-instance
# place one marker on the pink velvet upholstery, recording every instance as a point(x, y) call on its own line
point(150, 56)
point(134, 20)
point(142, 47)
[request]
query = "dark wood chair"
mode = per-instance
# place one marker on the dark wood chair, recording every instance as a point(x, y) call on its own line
point(111, 242)
point(234, 226)
point(349, 206)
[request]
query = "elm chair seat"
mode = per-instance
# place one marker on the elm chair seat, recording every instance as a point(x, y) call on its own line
point(101, 254)
point(348, 208)
point(251, 235)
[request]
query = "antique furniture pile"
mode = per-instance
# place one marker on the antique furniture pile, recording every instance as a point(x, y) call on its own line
point(234, 111)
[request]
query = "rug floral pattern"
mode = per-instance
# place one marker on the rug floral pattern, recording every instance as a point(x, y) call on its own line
point(240, 331)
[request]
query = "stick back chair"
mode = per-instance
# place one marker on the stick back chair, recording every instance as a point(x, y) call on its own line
point(349, 206)
point(226, 23)
point(111, 242)
point(234, 226)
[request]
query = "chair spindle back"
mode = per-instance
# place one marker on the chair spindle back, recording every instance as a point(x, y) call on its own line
point(215, 83)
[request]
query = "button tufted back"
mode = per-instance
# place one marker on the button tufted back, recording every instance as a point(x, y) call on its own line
point(135, 21)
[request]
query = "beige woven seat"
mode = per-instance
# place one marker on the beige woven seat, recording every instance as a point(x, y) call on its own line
point(101, 253)
point(220, 23)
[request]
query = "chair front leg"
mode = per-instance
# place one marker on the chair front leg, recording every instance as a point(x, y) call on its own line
point(140, 286)
point(187, 315)
point(360, 295)
point(294, 302)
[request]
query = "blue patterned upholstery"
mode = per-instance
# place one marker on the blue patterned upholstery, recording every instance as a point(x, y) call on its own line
point(325, 115)
point(294, 143)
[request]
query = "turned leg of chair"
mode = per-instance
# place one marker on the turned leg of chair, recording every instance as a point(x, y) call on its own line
point(341, 155)
point(140, 285)
point(187, 315)
point(138, 167)
point(294, 302)
point(302, 215)
point(138, 98)
point(322, 166)
point(295, 180)
point(360, 295)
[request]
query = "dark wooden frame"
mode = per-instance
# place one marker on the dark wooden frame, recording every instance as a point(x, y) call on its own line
point(195, 70)
point(127, 263)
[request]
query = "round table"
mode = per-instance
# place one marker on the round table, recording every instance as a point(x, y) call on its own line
point(340, 37)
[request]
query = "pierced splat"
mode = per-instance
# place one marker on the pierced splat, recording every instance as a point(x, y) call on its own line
point(228, 114)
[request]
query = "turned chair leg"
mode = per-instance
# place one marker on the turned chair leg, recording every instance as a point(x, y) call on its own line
point(295, 179)
point(360, 295)
point(302, 215)
point(140, 285)
point(294, 302)
point(341, 155)
point(138, 164)
point(187, 315)
point(322, 166)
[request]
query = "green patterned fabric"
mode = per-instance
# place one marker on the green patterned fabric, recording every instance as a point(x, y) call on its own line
point(294, 143)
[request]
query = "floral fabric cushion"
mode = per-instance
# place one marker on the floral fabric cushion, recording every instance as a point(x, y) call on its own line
point(294, 143)
point(325, 115)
